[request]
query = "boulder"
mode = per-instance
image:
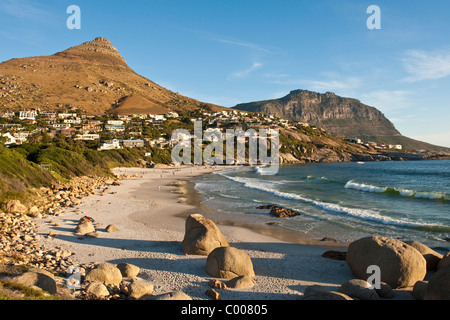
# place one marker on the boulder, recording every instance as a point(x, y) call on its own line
point(128, 270)
point(317, 292)
point(97, 289)
point(84, 227)
point(280, 212)
point(241, 282)
point(14, 206)
point(400, 264)
point(105, 273)
point(431, 257)
point(385, 291)
point(217, 284)
point(419, 290)
point(111, 228)
point(439, 285)
point(445, 261)
point(213, 294)
point(37, 277)
point(202, 236)
point(335, 255)
point(140, 289)
point(228, 263)
point(359, 289)
point(177, 295)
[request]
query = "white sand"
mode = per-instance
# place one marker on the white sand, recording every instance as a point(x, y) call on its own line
point(150, 235)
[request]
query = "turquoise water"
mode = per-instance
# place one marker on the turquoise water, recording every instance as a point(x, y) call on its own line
point(345, 201)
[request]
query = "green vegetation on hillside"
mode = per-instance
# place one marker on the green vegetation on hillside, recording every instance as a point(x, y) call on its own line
point(34, 165)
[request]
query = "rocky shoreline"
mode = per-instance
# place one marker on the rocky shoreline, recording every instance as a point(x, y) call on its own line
point(409, 269)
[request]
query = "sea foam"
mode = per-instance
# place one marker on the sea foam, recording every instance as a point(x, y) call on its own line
point(364, 214)
point(433, 195)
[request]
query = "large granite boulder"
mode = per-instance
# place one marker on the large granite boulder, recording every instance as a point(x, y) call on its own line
point(438, 287)
point(431, 257)
point(229, 263)
point(316, 292)
point(84, 227)
point(359, 289)
point(400, 264)
point(140, 289)
point(445, 261)
point(202, 236)
point(14, 206)
point(37, 277)
point(105, 273)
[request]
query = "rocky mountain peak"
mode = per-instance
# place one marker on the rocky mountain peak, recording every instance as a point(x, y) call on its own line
point(99, 49)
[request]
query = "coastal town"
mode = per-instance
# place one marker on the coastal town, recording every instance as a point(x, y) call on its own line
point(115, 131)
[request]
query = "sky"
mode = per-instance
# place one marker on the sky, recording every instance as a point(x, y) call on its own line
point(228, 52)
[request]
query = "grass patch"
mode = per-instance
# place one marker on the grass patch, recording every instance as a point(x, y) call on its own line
point(13, 291)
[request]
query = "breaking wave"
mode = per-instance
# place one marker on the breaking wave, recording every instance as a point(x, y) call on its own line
point(364, 214)
point(432, 195)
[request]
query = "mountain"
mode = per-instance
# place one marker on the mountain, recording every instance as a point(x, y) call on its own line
point(92, 76)
point(339, 116)
point(343, 117)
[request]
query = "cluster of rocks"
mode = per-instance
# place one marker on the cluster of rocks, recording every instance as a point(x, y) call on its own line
point(52, 201)
point(401, 265)
point(202, 237)
point(280, 212)
point(20, 244)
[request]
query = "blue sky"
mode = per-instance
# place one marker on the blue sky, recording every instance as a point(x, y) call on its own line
point(227, 52)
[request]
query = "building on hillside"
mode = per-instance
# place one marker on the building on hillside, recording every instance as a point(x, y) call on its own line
point(116, 128)
point(21, 137)
point(87, 137)
point(29, 115)
point(8, 115)
point(115, 122)
point(66, 115)
point(10, 139)
point(91, 128)
point(172, 114)
point(355, 140)
point(110, 145)
point(133, 143)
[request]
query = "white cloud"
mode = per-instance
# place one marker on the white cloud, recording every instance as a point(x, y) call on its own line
point(244, 44)
point(421, 65)
point(240, 74)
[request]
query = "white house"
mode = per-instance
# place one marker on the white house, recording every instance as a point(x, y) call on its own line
point(115, 122)
point(110, 145)
point(66, 115)
point(10, 139)
point(30, 115)
point(355, 140)
point(172, 115)
point(87, 137)
point(157, 117)
point(133, 143)
point(113, 127)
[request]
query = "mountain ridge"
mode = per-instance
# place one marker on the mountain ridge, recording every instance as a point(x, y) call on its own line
point(92, 76)
point(340, 116)
point(343, 117)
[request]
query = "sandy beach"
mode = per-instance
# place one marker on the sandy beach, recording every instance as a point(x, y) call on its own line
point(150, 212)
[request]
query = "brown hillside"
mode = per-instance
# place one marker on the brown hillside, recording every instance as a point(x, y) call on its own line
point(136, 104)
point(92, 76)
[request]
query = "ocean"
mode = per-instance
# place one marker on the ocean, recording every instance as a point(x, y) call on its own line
point(407, 200)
